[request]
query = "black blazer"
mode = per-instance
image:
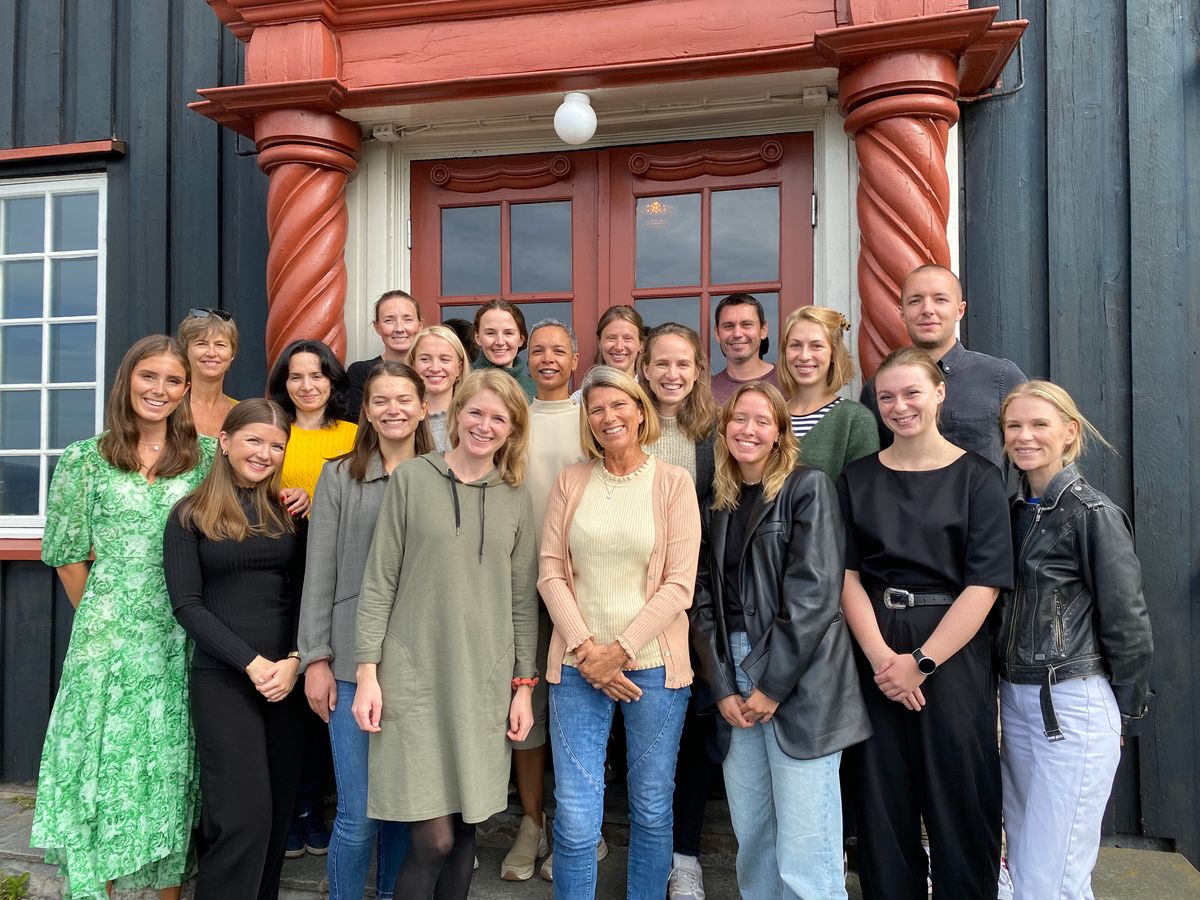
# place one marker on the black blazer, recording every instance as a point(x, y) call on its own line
point(791, 572)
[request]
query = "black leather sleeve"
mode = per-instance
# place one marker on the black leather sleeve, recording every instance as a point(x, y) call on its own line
point(712, 680)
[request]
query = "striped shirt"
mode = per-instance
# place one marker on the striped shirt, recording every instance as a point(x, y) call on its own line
point(802, 425)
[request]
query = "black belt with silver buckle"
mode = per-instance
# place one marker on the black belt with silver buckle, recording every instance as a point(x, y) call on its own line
point(899, 598)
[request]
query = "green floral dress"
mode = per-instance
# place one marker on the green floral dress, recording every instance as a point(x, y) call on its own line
point(118, 789)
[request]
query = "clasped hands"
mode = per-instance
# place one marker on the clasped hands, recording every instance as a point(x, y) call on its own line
point(898, 677)
point(274, 680)
point(757, 709)
point(602, 665)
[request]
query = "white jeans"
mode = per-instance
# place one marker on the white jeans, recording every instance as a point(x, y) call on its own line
point(1055, 792)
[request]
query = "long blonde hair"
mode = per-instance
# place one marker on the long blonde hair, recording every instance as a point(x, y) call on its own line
point(835, 326)
point(698, 410)
point(215, 509)
point(1067, 409)
point(727, 477)
point(510, 458)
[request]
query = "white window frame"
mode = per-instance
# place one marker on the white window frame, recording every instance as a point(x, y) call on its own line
point(31, 526)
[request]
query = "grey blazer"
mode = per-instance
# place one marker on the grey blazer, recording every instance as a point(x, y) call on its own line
point(341, 526)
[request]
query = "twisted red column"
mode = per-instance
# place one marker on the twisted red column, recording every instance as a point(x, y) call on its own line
point(308, 157)
point(903, 197)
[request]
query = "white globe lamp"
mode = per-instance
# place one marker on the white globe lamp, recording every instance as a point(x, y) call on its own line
point(575, 120)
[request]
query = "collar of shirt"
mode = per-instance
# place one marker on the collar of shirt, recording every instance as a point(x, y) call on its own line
point(952, 357)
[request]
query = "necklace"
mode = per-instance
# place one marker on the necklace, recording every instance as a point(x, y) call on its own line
point(154, 447)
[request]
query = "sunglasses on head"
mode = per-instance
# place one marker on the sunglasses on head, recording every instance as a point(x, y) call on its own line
point(195, 313)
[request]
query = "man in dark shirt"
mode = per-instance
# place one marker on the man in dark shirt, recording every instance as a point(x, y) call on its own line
point(931, 304)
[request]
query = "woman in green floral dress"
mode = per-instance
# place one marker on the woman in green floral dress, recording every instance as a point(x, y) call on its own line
point(117, 793)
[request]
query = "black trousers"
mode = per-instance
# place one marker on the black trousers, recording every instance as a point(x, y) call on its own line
point(249, 767)
point(941, 764)
point(694, 772)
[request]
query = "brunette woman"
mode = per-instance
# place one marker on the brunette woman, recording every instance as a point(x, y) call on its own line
point(928, 549)
point(774, 654)
point(500, 333)
point(391, 429)
point(397, 321)
point(447, 635)
point(117, 791)
point(831, 430)
point(211, 339)
point(437, 355)
point(1074, 649)
point(234, 562)
point(618, 566)
point(620, 336)
point(674, 371)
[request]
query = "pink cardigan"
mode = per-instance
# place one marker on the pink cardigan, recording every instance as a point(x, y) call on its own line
point(672, 575)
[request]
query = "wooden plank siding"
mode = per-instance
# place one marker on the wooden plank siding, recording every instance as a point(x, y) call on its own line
point(1081, 262)
point(186, 227)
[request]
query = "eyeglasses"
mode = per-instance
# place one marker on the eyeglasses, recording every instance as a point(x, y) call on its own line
point(195, 313)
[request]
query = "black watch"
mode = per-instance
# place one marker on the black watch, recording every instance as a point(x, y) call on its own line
point(925, 665)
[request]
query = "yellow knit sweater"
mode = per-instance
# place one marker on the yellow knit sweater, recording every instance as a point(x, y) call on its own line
point(308, 449)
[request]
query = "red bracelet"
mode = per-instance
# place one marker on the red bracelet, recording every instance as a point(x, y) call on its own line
point(524, 682)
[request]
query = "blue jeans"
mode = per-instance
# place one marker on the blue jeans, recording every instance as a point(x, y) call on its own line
point(580, 720)
point(787, 813)
point(354, 836)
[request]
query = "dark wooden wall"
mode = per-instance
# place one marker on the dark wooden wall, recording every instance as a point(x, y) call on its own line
point(186, 227)
point(1081, 260)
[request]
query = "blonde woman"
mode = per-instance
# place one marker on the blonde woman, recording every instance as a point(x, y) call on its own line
point(437, 355)
point(211, 339)
point(447, 636)
point(618, 565)
point(775, 656)
point(1074, 649)
point(831, 430)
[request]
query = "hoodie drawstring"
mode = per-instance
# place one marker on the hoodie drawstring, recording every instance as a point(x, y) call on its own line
point(454, 482)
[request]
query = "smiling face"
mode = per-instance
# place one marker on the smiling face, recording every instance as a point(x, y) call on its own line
point(1036, 437)
point(751, 434)
point(437, 364)
point(498, 337)
point(551, 362)
point(255, 452)
point(614, 417)
point(398, 320)
point(393, 407)
point(307, 385)
point(808, 355)
point(484, 424)
point(620, 343)
point(210, 355)
point(908, 400)
point(671, 371)
point(740, 333)
point(931, 304)
point(156, 387)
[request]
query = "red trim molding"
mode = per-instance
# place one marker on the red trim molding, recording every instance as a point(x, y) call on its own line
point(21, 548)
point(111, 147)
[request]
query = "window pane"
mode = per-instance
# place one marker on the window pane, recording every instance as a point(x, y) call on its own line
point(22, 290)
point(540, 247)
point(20, 420)
point(745, 236)
point(75, 221)
point(73, 292)
point(668, 240)
point(19, 486)
point(24, 224)
point(471, 250)
point(21, 354)
point(684, 310)
point(72, 416)
point(770, 302)
point(73, 352)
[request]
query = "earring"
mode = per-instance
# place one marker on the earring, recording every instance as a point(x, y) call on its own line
point(224, 452)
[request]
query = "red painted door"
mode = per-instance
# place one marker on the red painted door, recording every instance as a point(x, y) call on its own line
point(670, 228)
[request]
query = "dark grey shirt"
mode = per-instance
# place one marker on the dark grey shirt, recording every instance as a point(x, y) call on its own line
point(976, 385)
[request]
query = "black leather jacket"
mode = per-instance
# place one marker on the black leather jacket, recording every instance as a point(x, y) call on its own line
point(1078, 607)
point(791, 573)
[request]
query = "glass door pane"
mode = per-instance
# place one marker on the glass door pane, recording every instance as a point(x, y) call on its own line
point(540, 247)
point(668, 241)
point(744, 245)
point(470, 251)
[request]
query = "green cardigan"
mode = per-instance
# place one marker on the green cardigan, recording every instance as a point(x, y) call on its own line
point(517, 370)
point(845, 433)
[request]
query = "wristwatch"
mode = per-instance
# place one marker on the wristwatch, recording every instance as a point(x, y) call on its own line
point(925, 665)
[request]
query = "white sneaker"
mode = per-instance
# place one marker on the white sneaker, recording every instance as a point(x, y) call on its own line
point(1004, 890)
point(928, 877)
point(546, 872)
point(687, 880)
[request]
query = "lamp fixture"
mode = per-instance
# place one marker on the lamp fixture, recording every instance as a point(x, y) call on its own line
point(575, 120)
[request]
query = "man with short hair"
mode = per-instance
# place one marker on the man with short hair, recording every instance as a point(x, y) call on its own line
point(742, 335)
point(931, 304)
point(554, 444)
